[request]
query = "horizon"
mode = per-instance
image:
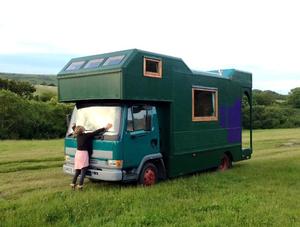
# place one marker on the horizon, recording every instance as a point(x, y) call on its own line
point(41, 74)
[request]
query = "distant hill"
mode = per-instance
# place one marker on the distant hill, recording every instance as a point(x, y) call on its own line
point(273, 94)
point(35, 79)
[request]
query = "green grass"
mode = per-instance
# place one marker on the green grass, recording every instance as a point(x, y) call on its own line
point(263, 191)
point(40, 89)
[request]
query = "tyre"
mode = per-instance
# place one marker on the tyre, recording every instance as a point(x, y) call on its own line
point(225, 163)
point(148, 175)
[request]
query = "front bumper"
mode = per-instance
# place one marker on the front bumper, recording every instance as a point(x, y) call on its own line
point(104, 174)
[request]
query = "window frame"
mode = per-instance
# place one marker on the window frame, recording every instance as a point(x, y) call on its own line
point(152, 74)
point(108, 61)
point(148, 115)
point(216, 105)
point(91, 60)
point(83, 62)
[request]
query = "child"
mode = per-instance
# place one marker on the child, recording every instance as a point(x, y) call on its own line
point(84, 144)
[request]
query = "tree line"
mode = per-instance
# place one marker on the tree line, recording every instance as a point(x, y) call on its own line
point(24, 115)
point(272, 110)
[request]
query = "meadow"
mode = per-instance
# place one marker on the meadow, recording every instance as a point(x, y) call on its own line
point(40, 89)
point(31, 78)
point(263, 191)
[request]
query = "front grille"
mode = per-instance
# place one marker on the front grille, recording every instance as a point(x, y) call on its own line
point(88, 173)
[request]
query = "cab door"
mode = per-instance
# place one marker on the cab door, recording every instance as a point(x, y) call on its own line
point(141, 136)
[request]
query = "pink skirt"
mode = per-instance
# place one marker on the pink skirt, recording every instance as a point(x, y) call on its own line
point(81, 159)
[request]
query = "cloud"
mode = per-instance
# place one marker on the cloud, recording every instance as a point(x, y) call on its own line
point(282, 86)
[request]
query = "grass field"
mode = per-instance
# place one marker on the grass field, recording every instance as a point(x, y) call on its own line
point(31, 78)
point(40, 89)
point(264, 191)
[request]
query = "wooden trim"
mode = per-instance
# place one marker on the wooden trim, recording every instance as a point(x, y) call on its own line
point(152, 74)
point(216, 107)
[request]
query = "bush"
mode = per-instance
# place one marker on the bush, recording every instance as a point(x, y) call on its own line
point(46, 96)
point(28, 119)
point(294, 97)
point(267, 117)
point(263, 98)
point(24, 89)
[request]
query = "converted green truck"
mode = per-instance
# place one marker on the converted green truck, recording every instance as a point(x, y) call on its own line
point(168, 120)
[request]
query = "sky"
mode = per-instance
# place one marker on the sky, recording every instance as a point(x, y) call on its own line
point(262, 37)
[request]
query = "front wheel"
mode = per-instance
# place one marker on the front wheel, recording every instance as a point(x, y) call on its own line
point(148, 175)
point(225, 164)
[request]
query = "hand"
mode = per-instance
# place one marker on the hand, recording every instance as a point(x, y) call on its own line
point(108, 126)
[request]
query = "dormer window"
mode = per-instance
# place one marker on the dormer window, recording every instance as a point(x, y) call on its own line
point(152, 67)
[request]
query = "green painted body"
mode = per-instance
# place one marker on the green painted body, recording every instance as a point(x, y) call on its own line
point(186, 146)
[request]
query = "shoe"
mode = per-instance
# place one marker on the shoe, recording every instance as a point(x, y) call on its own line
point(73, 186)
point(79, 187)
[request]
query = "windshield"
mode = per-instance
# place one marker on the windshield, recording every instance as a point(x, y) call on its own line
point(95, 117)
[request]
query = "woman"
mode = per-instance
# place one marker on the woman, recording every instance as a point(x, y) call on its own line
point(84, 147)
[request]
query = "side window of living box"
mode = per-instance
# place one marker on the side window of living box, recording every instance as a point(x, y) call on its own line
point(139, 118)
point(204, 104)
point(152, 67)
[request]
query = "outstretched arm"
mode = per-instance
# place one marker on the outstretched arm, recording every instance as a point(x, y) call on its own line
point(108, 126)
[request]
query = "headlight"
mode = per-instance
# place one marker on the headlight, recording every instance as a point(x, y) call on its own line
point(67, 158)
point(115, 163)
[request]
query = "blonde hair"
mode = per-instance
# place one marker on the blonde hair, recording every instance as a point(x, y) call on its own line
point(79, 130)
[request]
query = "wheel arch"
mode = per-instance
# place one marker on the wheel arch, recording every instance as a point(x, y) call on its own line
point(229, 154)
point(155, 159)
point(230, 157)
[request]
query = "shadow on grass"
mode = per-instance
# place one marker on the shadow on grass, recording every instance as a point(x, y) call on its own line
point(202, 173)
point(32, 160)
point(35, 166)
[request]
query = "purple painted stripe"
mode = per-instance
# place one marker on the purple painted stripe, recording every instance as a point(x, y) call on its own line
point(230, 119)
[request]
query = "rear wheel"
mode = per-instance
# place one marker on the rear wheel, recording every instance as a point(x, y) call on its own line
point(148, 175)
point(226, 163)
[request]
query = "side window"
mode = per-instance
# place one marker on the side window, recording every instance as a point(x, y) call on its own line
point(129, 120)
point(139, 118)
point(152, 67)
point(204, 104)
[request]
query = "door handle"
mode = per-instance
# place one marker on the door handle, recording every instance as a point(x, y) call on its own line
point(137, 134)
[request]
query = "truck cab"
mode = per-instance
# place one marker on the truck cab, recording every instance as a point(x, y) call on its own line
point(120, 153)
